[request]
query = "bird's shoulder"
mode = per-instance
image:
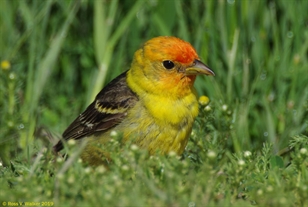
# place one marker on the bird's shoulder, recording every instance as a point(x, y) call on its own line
point(107, 110)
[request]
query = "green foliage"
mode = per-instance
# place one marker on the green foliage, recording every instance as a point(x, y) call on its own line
point(248, 146)
point(207, 178)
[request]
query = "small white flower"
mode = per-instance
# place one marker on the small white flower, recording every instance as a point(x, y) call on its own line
point(247, 154)
point(260, 192)
point(71, 142)
point(59, 159)
point(224, 107)
point(113, 133)
point(270, 188)
point(207, 108)
point(87, 170)
point(241, 162)
point(303, 151)
point(134, 147)
point(193, 133)
point(101, 169)
point(125, 167)
point(172, 153)
point(211, 154)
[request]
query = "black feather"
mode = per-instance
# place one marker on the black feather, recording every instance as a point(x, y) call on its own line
point(116, 95)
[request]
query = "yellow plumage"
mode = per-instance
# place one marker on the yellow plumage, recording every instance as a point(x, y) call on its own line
point(154, 103)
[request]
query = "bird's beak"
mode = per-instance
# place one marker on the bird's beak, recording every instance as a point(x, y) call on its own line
point(198, 68)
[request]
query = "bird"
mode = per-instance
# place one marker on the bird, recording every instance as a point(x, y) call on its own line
point(153, 104)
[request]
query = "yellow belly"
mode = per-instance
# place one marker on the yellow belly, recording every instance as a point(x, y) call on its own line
point(161, 126)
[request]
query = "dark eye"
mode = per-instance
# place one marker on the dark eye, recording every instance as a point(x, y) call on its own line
point(168, 64)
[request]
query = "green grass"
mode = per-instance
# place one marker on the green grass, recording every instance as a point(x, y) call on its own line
point(248, 146)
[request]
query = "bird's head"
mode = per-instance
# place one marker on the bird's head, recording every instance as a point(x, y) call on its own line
point(167, 65)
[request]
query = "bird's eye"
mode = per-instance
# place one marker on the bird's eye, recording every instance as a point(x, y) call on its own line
point(168, 64)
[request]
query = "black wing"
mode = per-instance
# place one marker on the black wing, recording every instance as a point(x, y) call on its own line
point(107, 110)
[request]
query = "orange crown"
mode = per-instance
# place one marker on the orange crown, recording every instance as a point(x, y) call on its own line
point(170, 48)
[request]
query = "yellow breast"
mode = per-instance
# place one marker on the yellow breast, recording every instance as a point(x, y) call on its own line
point(162, 124)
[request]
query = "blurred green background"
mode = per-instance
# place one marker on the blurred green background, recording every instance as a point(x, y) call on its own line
point(56, 56)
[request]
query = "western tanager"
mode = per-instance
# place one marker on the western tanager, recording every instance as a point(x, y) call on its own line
point(154, 103)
